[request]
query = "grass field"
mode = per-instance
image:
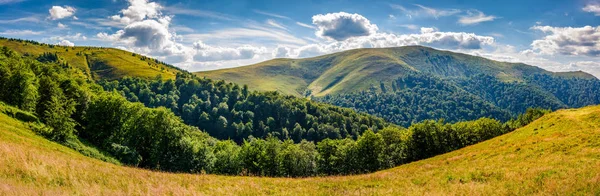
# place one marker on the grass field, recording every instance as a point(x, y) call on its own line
point(559, 154)
point(101, 63)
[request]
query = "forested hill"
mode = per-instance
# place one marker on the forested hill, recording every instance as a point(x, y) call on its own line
point(409, 84)
point(96, 62)
point(360, 69)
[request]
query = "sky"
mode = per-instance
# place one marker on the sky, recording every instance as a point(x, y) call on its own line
point(557, 35)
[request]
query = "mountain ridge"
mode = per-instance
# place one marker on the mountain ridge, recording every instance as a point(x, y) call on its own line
point(332, 73)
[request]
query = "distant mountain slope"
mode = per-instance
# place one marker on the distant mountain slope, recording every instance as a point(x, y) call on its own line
point(555, 155)
point(99, 63)
point(413, 83)
point(359, 69)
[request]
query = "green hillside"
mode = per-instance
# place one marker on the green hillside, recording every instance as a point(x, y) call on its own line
point(99, 63)
point(359, 69)
point(410, 84)
point(555, 155)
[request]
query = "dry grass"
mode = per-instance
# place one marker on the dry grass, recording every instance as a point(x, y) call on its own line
point(558, 154)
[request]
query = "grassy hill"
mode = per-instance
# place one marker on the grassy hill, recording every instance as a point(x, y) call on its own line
point(99, 63)
point(558, 154)
point(409, 84)
point(359, 69)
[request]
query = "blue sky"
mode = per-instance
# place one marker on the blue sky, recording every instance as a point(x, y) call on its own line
point(203, 35)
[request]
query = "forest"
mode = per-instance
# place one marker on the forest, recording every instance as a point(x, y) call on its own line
point(201, 126)
point(418, 96)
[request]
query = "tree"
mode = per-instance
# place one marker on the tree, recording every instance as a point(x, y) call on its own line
point(370, 148)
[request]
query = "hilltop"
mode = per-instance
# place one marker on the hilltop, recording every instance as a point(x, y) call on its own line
point(359, 69)
point(557, 154)
point(98, 63)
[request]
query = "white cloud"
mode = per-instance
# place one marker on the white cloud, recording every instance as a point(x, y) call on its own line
point(59, 12)
point(179, 10)
point(147, 32)
point(306, 25)
point(281, 51)
point(428, 36)
point(252, 32)
point(76, 37)
point(341, 26)
point(593, 8)
point(276, 25)
point(3, 2)
point(138, 10)
point(65, 43)
point(424, 11)
point(568, 40)
point(21, 32)
point(206, 53)
point(61, 26)
point(271, 14)
point(475, 17)
point(410, 26)
point(21, 20)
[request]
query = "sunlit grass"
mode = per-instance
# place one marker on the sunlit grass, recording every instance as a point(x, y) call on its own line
point(116, 63)
point(558, 154)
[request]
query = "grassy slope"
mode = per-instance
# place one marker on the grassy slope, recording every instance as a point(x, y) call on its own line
point(358, 69)
point(106, 63)
point(557, 154)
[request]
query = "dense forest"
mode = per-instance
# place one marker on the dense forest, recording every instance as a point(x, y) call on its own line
point(228, 111)
point(62, 104)
point(417, 96)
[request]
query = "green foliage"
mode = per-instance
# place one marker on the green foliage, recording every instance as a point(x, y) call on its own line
point(417, 97)
point(228, 111)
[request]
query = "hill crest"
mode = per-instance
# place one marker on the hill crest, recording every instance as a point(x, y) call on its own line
point(359, 69)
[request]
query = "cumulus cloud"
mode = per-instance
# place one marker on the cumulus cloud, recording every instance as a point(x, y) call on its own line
point(281, 51)
point(138, 10)
point(341, 26)
point(428, 36)
point(60, 12)
point(475, 17)
point(147, 31)
point(65, 43)
point(593, 8)
point(568, 40)
point(206, 53)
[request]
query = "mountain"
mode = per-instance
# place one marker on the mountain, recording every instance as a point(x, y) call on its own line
point(555, 155)
point(99, 63)
point(409, 84)
point(359, 69)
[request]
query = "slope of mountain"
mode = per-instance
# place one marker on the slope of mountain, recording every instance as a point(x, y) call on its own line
point(413, 83)
point(359, 69)
point(558, 155)
point(99, 63)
